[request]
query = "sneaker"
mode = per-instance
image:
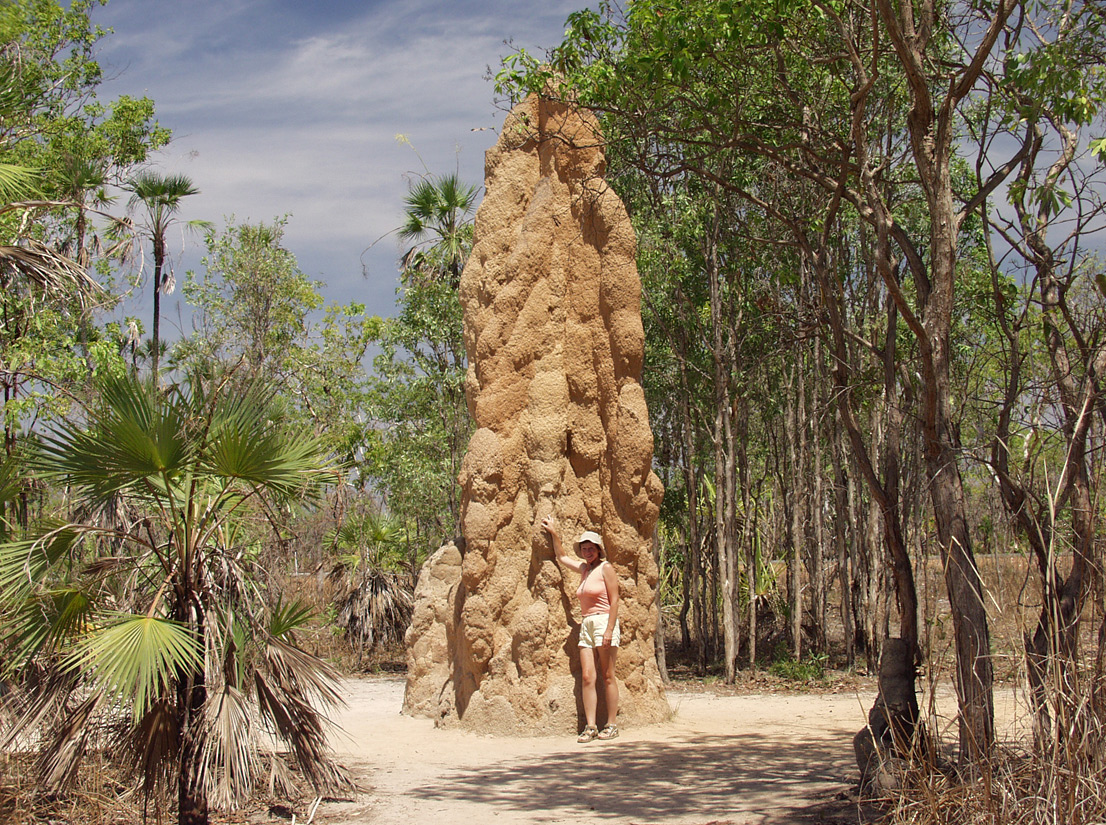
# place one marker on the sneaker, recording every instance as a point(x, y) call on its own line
point(609, 732)
point(590, 732)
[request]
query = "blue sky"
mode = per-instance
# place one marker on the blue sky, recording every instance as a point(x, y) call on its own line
point(293, 107)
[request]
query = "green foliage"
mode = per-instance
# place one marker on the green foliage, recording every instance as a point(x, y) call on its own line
point(60, 147)
point(255, 318)
point(1050, 73)
point(253, 299)
point(811, 668)
point(369, 539)
point(133, 657)
point(416, 398)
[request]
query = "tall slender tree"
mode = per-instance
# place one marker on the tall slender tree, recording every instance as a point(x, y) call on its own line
point(160, 196)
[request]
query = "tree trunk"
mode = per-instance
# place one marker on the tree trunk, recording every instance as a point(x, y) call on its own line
point(931, 130)
point(659, 638)
point(155, 340)
point(192, 806)
point(841, 522)
point(753, 561)
point(692, 563)
point(794, 503)
point(723, 463)
point(818, 538)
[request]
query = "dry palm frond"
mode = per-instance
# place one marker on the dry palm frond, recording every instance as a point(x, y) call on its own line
point(37, 703)
point(62, 757)
point(49, 270)
point(153, 744)
point(281, 781)
point(106, 565)
point(377, 610)
point(285, 688)
point(230, 751)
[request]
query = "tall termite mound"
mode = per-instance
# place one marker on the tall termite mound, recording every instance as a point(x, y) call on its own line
point(552, 313)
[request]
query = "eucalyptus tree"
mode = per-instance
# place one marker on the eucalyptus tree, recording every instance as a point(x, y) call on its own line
point(1048, 97)
point(252, 300)
point(159, 619)
point(688, 90)
point(256, 317)
point(160, 197)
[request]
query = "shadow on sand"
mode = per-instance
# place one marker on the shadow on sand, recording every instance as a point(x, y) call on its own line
point(705, 778)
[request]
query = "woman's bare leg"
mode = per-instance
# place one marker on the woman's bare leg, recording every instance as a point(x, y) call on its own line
point(587, 683)
point(607, 656)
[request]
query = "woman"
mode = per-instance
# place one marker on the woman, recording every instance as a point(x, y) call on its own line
point(599, 631)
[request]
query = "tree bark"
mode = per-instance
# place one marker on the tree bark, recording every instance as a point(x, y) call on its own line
point(192, 807)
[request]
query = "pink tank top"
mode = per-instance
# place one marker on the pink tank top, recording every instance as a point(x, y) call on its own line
point(592, 593)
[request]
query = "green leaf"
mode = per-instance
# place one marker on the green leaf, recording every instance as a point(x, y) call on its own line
point(137, 658)
point(1098, 149)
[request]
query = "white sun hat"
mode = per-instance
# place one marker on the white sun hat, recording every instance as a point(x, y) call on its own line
point(593, 537)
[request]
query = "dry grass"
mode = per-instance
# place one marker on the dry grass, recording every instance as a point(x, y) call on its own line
point(102, 795)
point(1056, 776)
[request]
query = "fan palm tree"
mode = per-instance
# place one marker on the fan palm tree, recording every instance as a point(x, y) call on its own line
point(160, 196)
point(160, 621)
point(437, 219)
point(376, 608)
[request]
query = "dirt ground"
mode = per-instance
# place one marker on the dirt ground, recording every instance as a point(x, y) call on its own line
point(768, 759)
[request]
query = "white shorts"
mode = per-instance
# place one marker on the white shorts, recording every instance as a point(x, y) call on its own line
point(592, 629)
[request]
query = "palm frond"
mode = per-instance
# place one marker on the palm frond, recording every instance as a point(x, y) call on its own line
point(298, 724)
point(286, 618)
point(106, 565)
point(229, 758)
point(25, 562)
point(60, 759)
point(285, 688)
point(250, 441)
point(376, 610)
point(157, 190)
point(136, 657)
point(268, 458)
point(282, 782)
point(44, 623)
point(37, 701)
point(133, 440)
point(49, 270)
point(154, 744)
point(300, 673)
point(17, 182)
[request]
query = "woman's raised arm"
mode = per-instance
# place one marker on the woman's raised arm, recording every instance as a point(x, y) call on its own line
point(549, 524)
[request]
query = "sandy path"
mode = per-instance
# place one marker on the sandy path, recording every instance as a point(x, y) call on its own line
point(721, 759)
